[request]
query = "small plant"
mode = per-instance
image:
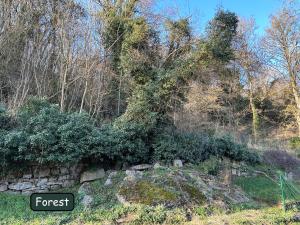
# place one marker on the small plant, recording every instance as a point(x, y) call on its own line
point(294, 143)
point(210, 166)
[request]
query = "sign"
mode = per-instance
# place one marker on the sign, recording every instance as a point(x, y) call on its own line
point(52, 202)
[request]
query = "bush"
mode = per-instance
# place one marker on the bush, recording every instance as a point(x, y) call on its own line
point(5, 120)
point(210, 166)
point(47, 136)
point(195, 148)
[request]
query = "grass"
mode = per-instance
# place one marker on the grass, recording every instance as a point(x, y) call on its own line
point(14, 210)
point(260, 188)
point(266, 216)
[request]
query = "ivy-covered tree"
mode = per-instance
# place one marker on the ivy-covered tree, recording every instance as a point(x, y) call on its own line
point(221, 31)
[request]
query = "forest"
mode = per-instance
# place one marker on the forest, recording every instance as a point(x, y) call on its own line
point(185, 121)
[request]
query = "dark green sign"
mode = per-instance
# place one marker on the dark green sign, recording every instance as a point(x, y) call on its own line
point(52, 202)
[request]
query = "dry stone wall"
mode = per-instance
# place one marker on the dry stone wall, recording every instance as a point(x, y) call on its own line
point(37, 179)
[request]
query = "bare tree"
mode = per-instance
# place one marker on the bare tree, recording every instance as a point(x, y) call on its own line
point(282, 44)
point(249, 64)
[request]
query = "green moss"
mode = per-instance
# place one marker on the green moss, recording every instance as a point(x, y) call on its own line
point(147, 193)
point(194, 193)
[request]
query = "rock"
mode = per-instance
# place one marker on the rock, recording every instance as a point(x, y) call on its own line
point(141, 167)
point(43, 172)
point(51, 179)
point(157, 166)
point(55, 171)
point(68, 183)
point(55, 187)
point(92, 175)
point(233, 171)
point(296, 217)
point(42, 190)
point(64, 170)
point(85, 189)
point(26, 193)
point(20, 186)
point(177, 163)
point(3, 187)
point(42, 182)
point(235, 165)
point(130, 172)
point(133, 175)
point(108, 182)
point(87, 201)
point(121, 199)
point(27, 176)
point(236, 197)
point(112, 174)
point(75, 170)
point(54, 183)
point(64, 177)
point(207, 190)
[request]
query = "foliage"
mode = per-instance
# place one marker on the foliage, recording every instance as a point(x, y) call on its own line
point(221, 31)
point(196, 148)
point(47, 136)
point(210, 166)
point(5, 120)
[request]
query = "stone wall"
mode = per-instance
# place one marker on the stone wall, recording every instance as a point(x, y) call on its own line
point(37, 179)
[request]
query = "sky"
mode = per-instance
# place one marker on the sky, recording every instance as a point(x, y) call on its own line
point(201, 11)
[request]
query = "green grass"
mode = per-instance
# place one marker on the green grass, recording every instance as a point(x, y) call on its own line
point(15, 210)
point(260, 188)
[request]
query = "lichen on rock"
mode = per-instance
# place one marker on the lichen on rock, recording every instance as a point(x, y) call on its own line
point(147, 193)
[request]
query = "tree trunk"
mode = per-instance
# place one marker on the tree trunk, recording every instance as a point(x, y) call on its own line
point(255, 118)
point(297, 101)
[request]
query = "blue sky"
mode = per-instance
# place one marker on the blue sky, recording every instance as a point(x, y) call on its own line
point(201, 11)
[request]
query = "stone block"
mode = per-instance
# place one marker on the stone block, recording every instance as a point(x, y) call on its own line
point(177, 163)
point(55, 187)
point(3, 187)
point(42, 182)
point(27, 176)
point(20, 186)
point(43, 172)
point(64, 177)
point(141, 167)
point(55, 171)
point(92, 175)
point(68, 183)
point(64, 170)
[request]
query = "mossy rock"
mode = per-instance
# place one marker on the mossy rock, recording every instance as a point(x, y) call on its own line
point(147, 193)
point(194, 193)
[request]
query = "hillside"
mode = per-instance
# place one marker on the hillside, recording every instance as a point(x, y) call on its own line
point(166, 195)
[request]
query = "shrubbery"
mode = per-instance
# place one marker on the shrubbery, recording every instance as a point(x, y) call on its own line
point(195, 148)
point(44, 135)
